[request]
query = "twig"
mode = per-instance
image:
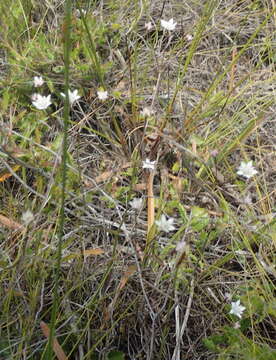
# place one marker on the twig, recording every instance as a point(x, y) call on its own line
point(179, 334)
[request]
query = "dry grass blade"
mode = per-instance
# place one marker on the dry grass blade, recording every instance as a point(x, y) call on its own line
point(128, 273)
point(150, 200)
point(89, 252)
point(180, 332)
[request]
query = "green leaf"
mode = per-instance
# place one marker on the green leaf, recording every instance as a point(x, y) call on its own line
point(182, 212)
point(196, 139)
point(271, 308)
point(115, 355)
point(200, 218)
point(176, 167)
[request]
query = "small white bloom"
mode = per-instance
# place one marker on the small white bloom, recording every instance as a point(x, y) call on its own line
point(171, 264)
point(168, 25)
point(247, 200)
point(237, 309)
point(189, 37)
point(136, 203)
point(38, 81)
point(27, 217)
point(146, 112)
point(73, 96)
point(79, 12)
point(148, 26)
point(165, 224)
point(102, 95)
point(247, 169)
point(180, 246)
point(41, 102)
point(164, 96)
point(147, 164)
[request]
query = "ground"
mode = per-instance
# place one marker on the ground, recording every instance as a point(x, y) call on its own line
point(128, 222)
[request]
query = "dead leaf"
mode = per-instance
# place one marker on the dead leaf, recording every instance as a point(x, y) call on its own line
point(11, 224)
point(96, 251)
point(194, 147)
point(108, 174)
point(56, 347)
point(219, 176)
point(139, 187)
point(104, 176)
point(178, 183)
point(88, 252)
point(128, 273)
point(5, 176)
point(123, 88)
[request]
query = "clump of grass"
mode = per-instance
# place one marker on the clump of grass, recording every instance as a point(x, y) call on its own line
point(113, 279)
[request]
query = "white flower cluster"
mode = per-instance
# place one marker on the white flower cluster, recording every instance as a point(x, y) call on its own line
point(43, 102)
point(169, 25)
point(39, 101)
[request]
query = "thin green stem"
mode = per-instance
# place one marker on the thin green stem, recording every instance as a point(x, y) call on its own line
point(67, 48)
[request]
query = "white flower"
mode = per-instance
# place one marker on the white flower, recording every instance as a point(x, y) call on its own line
point(102, 95)
point(168, 25)
point(73, 96)
point(189, 37)
point(41, 102)
point(148, 26)
point(79, 12)
point(147, 164)
point(146, 112)
point(38, 81)
point(247, 169)
point(165, 224)
point(247, 200)
point(180, 246)
point(27, 217)
point(136, 203)
point(237, 309)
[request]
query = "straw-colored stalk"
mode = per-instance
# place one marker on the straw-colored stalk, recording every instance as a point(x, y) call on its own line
point(150, 200)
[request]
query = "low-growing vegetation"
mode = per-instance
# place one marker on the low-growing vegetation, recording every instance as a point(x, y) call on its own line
point(137, 179)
